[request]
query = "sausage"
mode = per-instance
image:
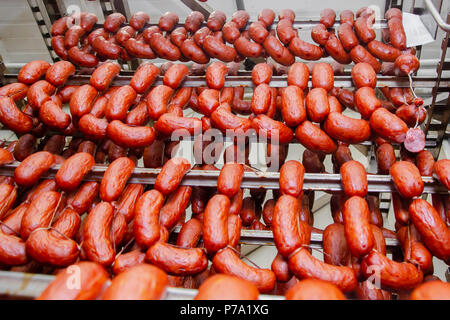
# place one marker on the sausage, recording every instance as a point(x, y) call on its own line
point(171, 175)
point(103, 75)
point(360, 54)
point(53, 116)
point(59, 72)
point(49, 247)
point(385, 156)
point(140, 282)
point(168, 21)
point(73, 170)
point(272, 129)
point(8, 195)
point(17, 91)
point(227, 261)
point(164, 48)
point(285, 31)
point(383, 51)
point(354, 178)
point(407, 63)
point(157, 101)
point(144, 77)
point(119, 103)
point(298, 75)
point(397, 33)
point(432, 290)
point(432, 228)
point(13, 118)
point(113, 22)
point(366, 101)
point(317, 105)
point(388, 126)
point(289, 233)
point(441, 169)
point(392, 275)
point(258, 32)
point(230, 178)
point(193, 21)
point(413, 249)
point(303, 265)
point(170, 123)
point(115, 178)
point(39, 92)
point(327, 17)
point(130, 136)
point(216, 48)
point(175, 75)
point(407, 179)
point(346, 129)
point(192, 51)
point(216, 20)
point(11, 224)
point(292, 106)
point(92, 279)
point(177, 261)
point(82, 100)
point(215, 75)
point(364, 30)
point(335, 246)
point(313, 289)
point(226, 287)
point(280, 267)
point(40, 213)
point(175, 206)
point(146, 221)
point(291, 178)
point(97, 243)
point(224, 120)
point(322, 76)
point(347, 36)
point(320, 34)
point(139, 19)
point(277, 51)
point(336, 50)
point(190, 233)
point(106, 48)
point(364, 75)
point(215, 223)
point(314, 138)
point(82, 58)
point(357, 228)
point(33, 167)
point(33, 71)
point(305, 50)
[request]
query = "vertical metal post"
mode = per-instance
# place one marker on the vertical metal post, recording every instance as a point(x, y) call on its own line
point(45, 13)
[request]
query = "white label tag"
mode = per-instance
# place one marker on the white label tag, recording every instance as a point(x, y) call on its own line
point(416, 32)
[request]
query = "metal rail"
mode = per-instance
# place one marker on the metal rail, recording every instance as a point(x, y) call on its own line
point(327, 182)
point(265, 238)
point(29, 286)
point(276, 81)
point(436, 16)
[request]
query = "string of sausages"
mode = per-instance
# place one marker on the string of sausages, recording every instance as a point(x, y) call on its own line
point(73, 38)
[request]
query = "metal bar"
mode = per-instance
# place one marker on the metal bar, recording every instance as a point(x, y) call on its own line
point(240, 5)
point(300, 24)
point(195, 6)
point(252, 180)
point(436, 16)
point(30, 286)
point(276, 81)
point(265, 238)
point(46, 23)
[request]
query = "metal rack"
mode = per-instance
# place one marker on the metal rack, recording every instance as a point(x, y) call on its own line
point(46, 12)
point(14, 285)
